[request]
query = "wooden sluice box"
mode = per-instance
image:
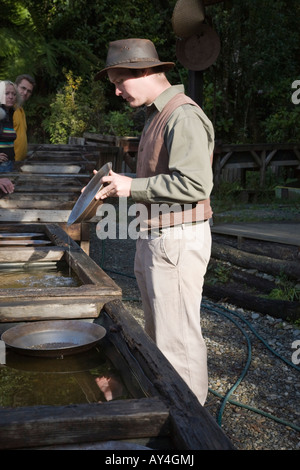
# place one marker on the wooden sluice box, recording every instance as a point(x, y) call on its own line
point(37, 246)
point(48, 184)
point(46, 198)
point(159, 411)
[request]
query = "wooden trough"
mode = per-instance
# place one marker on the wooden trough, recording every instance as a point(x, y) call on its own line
point(161, 412)
point(49, 182)
point(54, 245)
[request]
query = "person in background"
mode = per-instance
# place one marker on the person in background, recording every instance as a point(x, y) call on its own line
point(6, 186)
point(174, 168)
point(9, 101)
point(25, 85)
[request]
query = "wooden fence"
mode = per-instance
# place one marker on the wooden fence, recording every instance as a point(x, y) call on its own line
point(232, 161)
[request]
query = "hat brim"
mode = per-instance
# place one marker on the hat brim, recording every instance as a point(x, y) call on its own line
point(135, 65)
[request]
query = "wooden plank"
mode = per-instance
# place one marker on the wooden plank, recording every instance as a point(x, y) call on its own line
point(32, 215)
point(285, 233)
point(109, 139)
point(256, 158)
point(224, 159)
point(50, 425)
point(36, 196)
point(21, 311)
point(64, 157)
point(57, 177)
point(32, 204)
point(256, 147)
point(284, 163)
point(54, 294)
point(270, 156)
point(241, 165)
point(26, 254)
point(50, 168)
point(49, 188)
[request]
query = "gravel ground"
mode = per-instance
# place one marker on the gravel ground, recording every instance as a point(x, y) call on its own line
point(250, 358)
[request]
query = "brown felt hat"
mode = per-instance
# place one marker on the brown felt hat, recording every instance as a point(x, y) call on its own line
point(199, 51)
point(132, 54)
point(187, 16)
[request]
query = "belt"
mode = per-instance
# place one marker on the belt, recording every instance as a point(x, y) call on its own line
point(156, 232)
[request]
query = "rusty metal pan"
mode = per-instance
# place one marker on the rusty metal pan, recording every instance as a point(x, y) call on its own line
point(53, 338)
point(86, 206)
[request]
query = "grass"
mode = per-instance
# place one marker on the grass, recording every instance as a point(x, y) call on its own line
point(231, 208)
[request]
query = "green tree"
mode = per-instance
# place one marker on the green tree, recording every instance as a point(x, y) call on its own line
point(72, 112)
point(258, 62)
point(246, 92)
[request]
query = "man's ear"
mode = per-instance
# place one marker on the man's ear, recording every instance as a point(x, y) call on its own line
point(144, 72)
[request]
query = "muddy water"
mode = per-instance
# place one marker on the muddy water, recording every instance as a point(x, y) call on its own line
point(88, 377)
point(37, 276)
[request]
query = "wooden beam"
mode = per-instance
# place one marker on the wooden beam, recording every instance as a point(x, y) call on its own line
point(225, 159)
point(34, 215)
point(51, 425)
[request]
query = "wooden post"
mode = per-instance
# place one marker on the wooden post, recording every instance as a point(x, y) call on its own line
point(195, 86)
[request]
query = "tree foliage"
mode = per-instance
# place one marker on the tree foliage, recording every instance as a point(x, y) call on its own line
point(247, 92)
point(253, 75)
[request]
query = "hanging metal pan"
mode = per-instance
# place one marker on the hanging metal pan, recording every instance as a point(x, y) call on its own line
point(200, 51)
point(53, 338)
point(86, 205)
point(187, 17)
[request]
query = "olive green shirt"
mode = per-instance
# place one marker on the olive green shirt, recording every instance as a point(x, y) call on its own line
point(189, 139)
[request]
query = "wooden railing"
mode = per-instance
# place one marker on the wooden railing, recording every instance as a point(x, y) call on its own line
point(237, 159)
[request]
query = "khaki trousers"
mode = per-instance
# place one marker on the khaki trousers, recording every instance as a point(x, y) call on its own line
point(170, 271)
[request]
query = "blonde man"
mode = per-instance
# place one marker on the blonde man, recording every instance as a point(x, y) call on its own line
point(173, 170)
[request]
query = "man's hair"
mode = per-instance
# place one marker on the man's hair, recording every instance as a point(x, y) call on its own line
point(154, 70)
point(27, 77)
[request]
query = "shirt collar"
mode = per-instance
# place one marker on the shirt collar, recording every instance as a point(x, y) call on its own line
point(167, 95)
